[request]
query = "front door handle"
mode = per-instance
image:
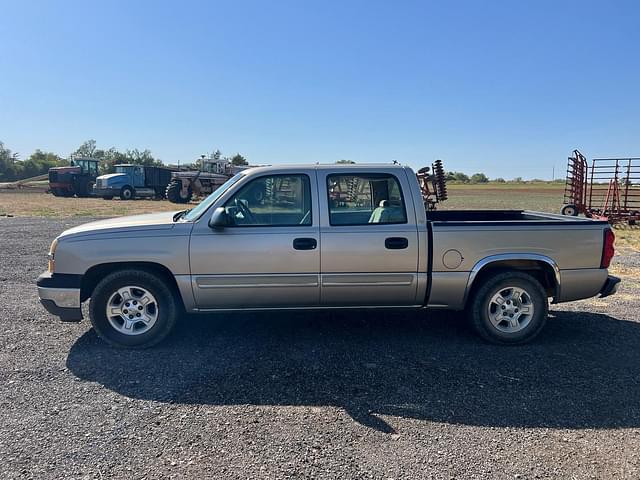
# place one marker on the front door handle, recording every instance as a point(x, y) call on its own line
point(396, 243)
point(305, 243)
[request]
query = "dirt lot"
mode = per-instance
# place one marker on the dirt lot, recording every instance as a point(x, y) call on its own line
point(323, 395)
point(393, 395)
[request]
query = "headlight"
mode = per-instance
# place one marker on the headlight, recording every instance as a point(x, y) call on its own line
point(52, 251)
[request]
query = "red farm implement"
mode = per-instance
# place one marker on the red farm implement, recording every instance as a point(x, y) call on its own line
point(608, 189)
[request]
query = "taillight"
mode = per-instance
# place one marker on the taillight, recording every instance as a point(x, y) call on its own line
point(608, 250)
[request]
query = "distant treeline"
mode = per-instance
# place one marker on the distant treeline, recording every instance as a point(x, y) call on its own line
point(459, 177)
point(13, 168)
point(476, 178)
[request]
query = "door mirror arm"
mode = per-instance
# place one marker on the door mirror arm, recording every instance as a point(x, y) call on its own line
point(219, 219)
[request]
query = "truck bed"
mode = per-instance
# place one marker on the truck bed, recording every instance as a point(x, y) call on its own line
point(502, 217)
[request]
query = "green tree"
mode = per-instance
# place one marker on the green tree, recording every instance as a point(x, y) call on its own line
point(479, 178)
point(238, 160)
point(8, 161)
point(87, 149)
point(345, 162)
point(499, 180)
point(145, 158)
point(457, 177)
point(40, 162)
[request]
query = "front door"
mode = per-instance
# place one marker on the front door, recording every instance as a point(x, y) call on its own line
point(270, 255)
point(369, 254)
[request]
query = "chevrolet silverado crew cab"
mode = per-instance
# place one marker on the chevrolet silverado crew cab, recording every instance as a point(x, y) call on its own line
point(320, 237)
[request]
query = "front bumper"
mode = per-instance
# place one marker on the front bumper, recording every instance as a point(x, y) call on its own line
point(60, 295)
point(610, 286)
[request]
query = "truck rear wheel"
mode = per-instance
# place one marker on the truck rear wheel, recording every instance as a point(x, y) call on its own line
point(509, 308)
point(175, 195)
point(133, 309)
point(127, 193)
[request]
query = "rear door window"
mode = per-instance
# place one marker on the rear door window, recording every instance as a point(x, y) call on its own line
point(365, 199)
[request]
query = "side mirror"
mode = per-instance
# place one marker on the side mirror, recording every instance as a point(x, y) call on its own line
point(220, 218)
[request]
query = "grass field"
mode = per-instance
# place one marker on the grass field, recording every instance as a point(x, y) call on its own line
point(544, 197)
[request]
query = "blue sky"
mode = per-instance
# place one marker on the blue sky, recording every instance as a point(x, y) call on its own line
point(504, 87)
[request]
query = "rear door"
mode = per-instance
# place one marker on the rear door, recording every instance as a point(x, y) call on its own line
point(369, 238)
point(270, 257)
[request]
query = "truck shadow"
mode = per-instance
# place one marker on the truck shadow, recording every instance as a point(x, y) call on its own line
point(582, 372)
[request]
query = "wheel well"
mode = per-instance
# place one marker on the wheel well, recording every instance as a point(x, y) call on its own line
point(541, 271)
point(96, 273)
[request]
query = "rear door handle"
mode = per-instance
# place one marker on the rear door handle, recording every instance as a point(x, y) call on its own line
point(396, 243)
point(305, 243)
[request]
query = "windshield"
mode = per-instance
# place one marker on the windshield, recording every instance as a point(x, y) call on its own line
point(202, 207)
point(121, 169)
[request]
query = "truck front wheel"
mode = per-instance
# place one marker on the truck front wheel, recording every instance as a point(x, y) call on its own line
point(127, 193)
point(509, 308)
point(132, 309)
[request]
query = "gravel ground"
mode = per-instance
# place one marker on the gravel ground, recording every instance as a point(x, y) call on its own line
point(322, 395)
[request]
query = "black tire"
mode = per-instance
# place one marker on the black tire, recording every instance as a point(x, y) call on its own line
point(174, 193)
point(61, 192)
point(481, 306)
point(127, 193)
point(167, 308)
point(569, 210)
point(85, 190)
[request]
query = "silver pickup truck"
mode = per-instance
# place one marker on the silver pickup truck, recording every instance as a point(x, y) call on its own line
point(319, 237)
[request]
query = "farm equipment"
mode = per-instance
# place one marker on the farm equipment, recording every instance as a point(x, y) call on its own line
point(76, 179)
point(30, 183)
point(433, 185)
point(213, 173)
point(608, 189)
point(133, 181)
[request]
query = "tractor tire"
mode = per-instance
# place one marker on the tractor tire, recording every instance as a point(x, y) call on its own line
point(85, 190)
point(569, 210)
point(61, 192)
point(174, 193)
point(127, 193)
